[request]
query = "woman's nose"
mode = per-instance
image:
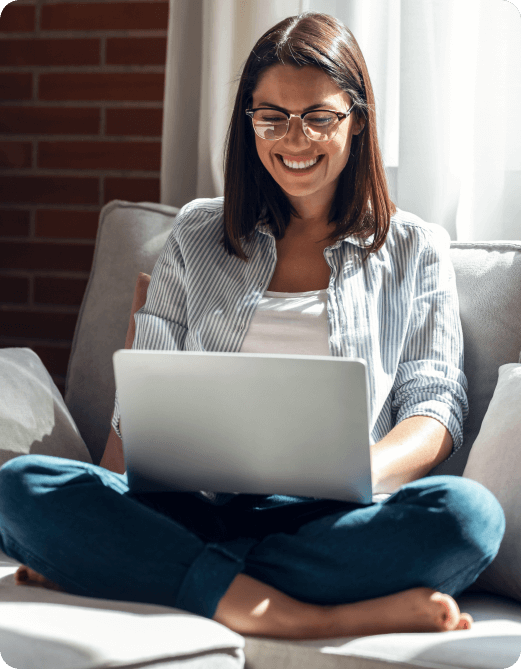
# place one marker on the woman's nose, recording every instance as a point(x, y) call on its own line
point(296, 134)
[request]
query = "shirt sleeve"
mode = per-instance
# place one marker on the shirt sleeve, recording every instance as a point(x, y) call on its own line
point(161, 324)
point(430, 380)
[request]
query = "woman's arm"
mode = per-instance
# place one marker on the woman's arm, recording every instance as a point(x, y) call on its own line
point(408, 452)
point(429, 392)
point(113, 456)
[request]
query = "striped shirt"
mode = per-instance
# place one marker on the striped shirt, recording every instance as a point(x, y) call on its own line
point(398, 311)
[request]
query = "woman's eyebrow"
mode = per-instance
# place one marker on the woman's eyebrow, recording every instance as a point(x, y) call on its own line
point(320, 105)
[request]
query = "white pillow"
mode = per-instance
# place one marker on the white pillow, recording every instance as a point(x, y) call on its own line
point(495, 461)
point(33, 415)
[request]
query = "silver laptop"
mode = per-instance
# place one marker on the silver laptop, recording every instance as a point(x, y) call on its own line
point(245, 423)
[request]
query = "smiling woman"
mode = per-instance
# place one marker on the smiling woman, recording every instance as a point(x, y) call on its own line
point(294, 69)
point(306, 220)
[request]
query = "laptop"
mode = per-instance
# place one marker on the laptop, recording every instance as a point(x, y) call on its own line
point(253, 423)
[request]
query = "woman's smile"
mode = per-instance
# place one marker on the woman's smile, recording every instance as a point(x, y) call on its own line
point(298, 165)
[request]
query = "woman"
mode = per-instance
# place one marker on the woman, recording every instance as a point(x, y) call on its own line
point(306, 254)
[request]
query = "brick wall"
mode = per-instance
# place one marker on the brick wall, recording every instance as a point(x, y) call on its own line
point(81, 99)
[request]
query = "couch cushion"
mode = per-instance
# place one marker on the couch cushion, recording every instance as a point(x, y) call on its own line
point(494, 642)
point(45, 629)
point(488, 277)
point(33, 415)
point(494, 461)
point(130, 238)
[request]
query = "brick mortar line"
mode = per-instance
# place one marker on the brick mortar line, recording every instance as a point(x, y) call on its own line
point(87, 173)
point(47, 241)
point(37, 17)
point(96, 139)
point(43, 274)
point(121, 33)
point(33, 3)
point(90, 104)
point(13, 342)
point(62, 207)
point(82, 69)
point(40, 308)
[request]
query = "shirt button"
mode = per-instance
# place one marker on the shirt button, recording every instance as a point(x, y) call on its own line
point(261, 284)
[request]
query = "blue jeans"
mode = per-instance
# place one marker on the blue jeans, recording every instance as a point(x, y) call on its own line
point(79, 526)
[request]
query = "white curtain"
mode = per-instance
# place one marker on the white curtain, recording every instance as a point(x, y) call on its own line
point(447, 80)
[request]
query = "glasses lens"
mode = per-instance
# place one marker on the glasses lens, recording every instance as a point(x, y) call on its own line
point(320, 125)
point(270, 124)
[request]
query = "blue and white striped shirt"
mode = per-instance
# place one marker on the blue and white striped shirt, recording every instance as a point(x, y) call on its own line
point(398, 311)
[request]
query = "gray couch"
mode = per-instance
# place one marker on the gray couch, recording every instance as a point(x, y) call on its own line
point(43, 629)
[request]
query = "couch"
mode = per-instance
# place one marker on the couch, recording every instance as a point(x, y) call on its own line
point(46, 629)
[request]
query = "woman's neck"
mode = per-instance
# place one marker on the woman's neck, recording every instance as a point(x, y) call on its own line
point(313, 217)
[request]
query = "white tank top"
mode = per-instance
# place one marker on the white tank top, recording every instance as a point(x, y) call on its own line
point(289, 323)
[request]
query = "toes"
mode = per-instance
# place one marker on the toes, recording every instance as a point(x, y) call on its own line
point(21, 575)
point(26, 576)
point(450, 614)
point(465, 622)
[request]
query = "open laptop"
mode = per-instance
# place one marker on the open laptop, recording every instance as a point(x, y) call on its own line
point(245, 423)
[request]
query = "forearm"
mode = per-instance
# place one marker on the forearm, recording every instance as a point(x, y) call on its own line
point(252, 607)
point(410, 450)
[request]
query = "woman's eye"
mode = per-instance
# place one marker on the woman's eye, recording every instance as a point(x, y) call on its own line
point(320, 120)
point(274, 119)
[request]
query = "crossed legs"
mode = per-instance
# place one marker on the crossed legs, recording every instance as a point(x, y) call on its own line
point(392, 566)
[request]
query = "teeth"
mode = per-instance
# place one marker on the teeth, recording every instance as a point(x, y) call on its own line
point(300, 165)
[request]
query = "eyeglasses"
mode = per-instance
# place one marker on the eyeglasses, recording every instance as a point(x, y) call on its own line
point(319, 125)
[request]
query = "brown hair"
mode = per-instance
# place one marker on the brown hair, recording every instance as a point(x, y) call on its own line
point(362, 204)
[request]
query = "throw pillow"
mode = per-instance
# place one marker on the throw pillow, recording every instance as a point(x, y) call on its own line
point(33, 415)
point(494, 461)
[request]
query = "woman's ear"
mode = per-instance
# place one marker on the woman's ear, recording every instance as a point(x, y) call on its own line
point(358, 125)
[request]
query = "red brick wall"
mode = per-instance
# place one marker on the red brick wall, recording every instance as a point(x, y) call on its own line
point(81, 103)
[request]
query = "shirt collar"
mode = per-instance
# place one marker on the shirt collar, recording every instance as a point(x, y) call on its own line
point(358, 241)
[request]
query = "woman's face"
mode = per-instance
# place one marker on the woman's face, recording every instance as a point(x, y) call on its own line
point(296, 89)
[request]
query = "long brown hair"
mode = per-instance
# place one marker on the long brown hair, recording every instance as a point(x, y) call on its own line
point(362, 204)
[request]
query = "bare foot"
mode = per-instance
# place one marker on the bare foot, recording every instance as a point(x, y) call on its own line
point(414, 610)
point(26, 576)
point(252, 607)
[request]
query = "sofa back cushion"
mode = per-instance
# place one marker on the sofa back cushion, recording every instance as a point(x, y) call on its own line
point(488, 277)
point(130, 238)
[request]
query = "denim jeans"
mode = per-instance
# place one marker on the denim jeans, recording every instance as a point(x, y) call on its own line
point(79, 526)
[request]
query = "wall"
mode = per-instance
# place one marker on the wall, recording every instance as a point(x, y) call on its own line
point(81, 102)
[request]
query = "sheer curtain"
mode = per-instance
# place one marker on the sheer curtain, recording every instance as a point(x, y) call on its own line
point(447, 79)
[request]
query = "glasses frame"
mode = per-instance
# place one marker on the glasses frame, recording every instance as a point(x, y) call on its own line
point(341, 116)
